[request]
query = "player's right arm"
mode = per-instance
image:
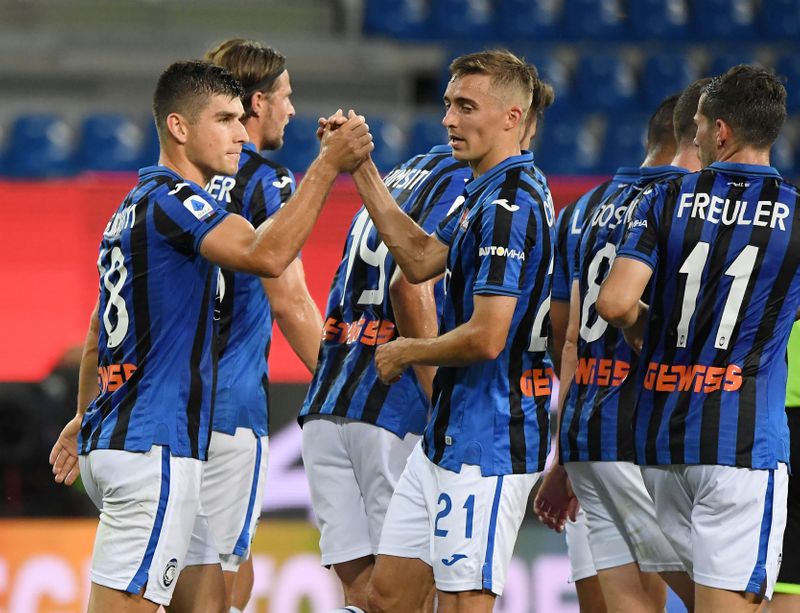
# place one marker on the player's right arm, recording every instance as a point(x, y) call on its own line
point(64, 455)
point(421, 256)
point(266, 251)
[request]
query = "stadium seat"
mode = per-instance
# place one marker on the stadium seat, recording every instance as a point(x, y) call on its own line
point(783, 155)
point(624, 142)
point(660, 19)
point(109, 142)
point(300, 144)
point(401, 19)
point(726, 60)
point(594, 19)
point(665, 74)
point(780, 19)
point(426, 132)
point(390, 145)
point(555, 72)
point(38, 146)
point(471, 20)
point(605, 82)
point(789, 67)
point(529, 20)
point(566, 147)
point(732, 20)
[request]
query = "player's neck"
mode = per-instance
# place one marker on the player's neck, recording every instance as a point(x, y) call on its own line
point(686, 157)
point(744, 155)
point(184, 168)
point(255, 133)
point(493, 158)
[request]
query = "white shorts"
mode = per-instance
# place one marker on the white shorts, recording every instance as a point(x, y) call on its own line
point(352, 469)
point(725, 522)
point(581, 565)
point(150, 520)
point(463, 524)
point(621, 517)
point(233, 487)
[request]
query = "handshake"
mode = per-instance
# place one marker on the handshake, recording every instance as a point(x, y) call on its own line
point(345, 141)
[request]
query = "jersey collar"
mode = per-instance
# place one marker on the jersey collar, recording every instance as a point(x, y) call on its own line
point(150, 171)
point(441, 149)
point(652, 173)
point(746, 169)
point(525, 158)
point(627, 174)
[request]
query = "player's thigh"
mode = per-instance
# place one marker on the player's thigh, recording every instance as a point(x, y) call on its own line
point(622, 491)
point(335, 493)
point(608, 544)
point(672, 499)
point(233, 482)
point(475, 524)
point(150, 502)
point(738, 520)
point(379, 458)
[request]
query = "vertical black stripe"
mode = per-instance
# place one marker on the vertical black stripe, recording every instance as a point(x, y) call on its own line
point(443, 395)
point(195, 402)
point(501, 228)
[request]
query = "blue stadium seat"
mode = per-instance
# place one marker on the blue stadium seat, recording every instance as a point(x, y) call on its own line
point(624, 142)
point(109, 142)
point(462, 19)
point(594, 19)
point(789, 67)
point(529, 19)
point(402, 19)
point(784, 156)
point(780, 19)
point(605, 82)
point(732, 20)
point(566, 147)
point(555, 72)
point(39, 146)
point(390, 145)
point(665, 74)
point(426, 132)
point(660, 19)
point(726, 60)
point(300, 144)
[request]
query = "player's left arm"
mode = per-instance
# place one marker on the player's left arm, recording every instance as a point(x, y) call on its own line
point(64, 455)
point(295, 312)
point(415, 314)
point(480, 338)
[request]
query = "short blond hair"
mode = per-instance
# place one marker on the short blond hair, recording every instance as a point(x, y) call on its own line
point(505, 70)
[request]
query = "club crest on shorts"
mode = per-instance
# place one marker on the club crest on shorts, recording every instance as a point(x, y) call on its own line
point(170, 572)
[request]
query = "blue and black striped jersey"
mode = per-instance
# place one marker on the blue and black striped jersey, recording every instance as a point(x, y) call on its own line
point(597, 417)
point(568, 229)
point(359, 315)
point(724, 246)
point(495, 413)
point(257, 191)
point(156, 362)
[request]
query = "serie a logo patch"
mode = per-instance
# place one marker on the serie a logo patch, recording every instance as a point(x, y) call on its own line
point(170, 572)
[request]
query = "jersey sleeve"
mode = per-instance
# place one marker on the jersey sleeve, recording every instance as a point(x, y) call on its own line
point(270, 194)
point(185, 215)
point(447, 228)
point(562, 277)
point(640, 238)
point(501, 251)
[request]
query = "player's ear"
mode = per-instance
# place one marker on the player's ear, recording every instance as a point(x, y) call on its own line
point(514, 117)
point(257, 101)
point(178, 127)
point(723, 132)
